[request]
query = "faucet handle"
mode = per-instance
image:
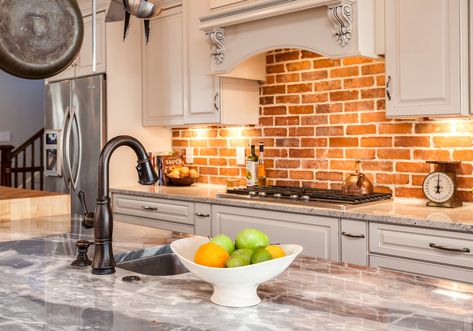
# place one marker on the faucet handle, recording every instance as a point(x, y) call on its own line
point(82, 259)
point(88, 219)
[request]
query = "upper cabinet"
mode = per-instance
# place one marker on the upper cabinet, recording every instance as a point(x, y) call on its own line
point(163, 68)
point(427, 58)
point(82, 65)
point(177, 87)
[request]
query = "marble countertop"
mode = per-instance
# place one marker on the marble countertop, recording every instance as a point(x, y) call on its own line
point(40, 291)
point(394, 211)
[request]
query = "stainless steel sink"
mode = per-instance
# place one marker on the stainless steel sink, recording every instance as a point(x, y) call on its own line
point(163, 263)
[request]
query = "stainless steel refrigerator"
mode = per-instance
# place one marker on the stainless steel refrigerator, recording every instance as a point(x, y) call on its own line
point(75, 132)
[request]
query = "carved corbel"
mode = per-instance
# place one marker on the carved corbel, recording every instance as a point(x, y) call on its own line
point(341, 17)
point(217, 47)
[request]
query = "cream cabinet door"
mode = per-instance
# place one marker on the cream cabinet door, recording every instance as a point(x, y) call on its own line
point(318, 235)
point(354, 241)
point(163, 65)
point(427, 58)
point(84, 59)
point(203, 97)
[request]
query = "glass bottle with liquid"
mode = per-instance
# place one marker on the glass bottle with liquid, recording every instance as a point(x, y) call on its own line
point(251, 168)
point(261, 166)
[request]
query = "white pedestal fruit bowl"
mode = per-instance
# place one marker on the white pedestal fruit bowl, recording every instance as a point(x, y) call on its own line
point(233, 287)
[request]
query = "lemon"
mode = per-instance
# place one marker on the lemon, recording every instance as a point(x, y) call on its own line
point(276, 251)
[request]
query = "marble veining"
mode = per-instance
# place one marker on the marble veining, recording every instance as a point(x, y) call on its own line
point(399, 211)
point(39, 290)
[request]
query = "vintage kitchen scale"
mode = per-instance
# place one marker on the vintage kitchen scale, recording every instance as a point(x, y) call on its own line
point(440, 187)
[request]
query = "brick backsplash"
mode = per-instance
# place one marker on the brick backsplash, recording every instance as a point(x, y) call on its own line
point(319, 115)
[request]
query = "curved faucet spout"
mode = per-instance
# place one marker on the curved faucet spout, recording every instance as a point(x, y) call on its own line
point(104, 262)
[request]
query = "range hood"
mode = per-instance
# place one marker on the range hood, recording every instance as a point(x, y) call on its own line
point(334, 28)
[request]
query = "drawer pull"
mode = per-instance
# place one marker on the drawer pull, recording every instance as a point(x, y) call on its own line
point(149, 208)
point(202, 215)
point(450, 249)
point(351, 235)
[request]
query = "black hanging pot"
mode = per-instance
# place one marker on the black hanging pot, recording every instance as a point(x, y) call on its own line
point(39, 38)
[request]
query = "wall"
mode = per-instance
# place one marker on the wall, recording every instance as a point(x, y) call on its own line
point(319, 115)
point(124, 102)
point(21, 107)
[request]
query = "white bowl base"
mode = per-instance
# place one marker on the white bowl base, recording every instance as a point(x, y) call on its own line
point(231, 296)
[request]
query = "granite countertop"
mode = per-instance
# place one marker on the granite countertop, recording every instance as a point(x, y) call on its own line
point(40, 290)
point(395, 211)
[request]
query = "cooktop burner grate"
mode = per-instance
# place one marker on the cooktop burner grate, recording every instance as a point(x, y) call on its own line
point(308, 194)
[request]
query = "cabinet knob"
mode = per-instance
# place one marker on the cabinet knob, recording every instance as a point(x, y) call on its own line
point(450, 249)
point(216, 101)
point(149, 208)
point(388, 88)
point(351, 235)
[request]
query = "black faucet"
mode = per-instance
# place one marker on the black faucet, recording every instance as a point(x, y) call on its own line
point(104, 262)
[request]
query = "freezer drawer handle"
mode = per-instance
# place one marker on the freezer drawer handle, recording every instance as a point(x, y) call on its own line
point(202, 215)
point(351, 235)
point(149, 208)
point(450, 249)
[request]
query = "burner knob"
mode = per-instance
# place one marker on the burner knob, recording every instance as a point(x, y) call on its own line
point(262, 194)
point(305, 197)
point(252, 193)
point(294, 196)
point(277, 195)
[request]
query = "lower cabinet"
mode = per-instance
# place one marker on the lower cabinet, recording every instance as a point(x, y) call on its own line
point(171, 215)
point(430, 252)
point(318, 235)
point(354, 242)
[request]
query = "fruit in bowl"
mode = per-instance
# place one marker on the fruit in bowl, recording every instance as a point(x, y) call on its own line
point(235, 277)
point(181, 175)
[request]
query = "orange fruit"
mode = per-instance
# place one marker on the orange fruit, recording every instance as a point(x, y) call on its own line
point(211, 255)
point(276, 251)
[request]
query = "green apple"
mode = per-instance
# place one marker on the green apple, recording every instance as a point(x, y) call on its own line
point(225, 242)
point(245, 252)
point(251, 238)
point(237, 261)
point(260, 255)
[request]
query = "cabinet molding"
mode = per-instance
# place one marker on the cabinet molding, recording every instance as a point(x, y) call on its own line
point(344, 28)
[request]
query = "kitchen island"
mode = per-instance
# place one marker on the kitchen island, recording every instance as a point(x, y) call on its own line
point(40, 290)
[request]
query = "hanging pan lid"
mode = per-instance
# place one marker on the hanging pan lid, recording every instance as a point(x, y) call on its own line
point(39, 38)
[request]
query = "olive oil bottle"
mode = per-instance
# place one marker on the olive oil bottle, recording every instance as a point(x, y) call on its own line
point(261, 166)
point(251, 168)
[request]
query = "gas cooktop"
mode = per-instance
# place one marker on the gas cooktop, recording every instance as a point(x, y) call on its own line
point(336, 199)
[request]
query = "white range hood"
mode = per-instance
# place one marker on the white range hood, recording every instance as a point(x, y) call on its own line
point(334, 28)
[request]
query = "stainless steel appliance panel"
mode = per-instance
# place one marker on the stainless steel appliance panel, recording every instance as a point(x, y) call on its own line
point(86, 138)
point(75, 109)
point(57, 105)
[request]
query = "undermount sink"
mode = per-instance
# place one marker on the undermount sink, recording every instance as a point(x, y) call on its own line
point(162, 263)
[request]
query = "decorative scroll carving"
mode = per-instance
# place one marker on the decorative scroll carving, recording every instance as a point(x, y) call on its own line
point(341, 17)
point(217, 47)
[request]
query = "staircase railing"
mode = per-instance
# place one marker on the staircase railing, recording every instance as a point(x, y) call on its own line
point(14, 162)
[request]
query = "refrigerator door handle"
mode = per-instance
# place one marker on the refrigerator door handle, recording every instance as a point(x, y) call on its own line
point(75, 177)
point(67, 154)
point(59, 153)
point(63, 148)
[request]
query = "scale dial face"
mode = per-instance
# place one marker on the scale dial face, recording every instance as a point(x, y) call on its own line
point(438, 187)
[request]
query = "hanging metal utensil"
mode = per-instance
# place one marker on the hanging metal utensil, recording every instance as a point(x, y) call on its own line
point(142, 8)
point(39, 38)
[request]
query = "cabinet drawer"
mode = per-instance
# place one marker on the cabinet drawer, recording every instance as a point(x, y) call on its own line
point(161, 209)
point(423, 268)
point(422, 244)
point(354, 239)
point(318, 235)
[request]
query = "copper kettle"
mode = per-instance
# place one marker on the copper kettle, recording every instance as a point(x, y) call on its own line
point(357, 183)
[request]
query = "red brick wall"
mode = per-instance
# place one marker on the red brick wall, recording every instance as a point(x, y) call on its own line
point(318, 116)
